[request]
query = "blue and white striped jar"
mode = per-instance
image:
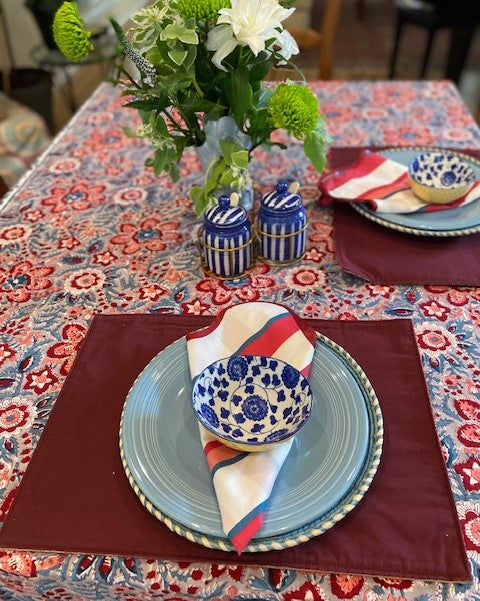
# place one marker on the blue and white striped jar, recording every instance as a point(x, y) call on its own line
point(227, 240)
point(282, 225)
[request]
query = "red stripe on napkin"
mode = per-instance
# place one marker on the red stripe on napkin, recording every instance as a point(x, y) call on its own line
point(242, 538)
point(216, 453)
point(276, 334)
point(401, 183)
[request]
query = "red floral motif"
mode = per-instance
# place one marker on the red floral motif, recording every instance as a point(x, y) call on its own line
point(72, 335)
point(468, 409)
point(79, 197)
point(34, 216)
point(304, 278)
point(406, 134)
point(469, 471)
point(321, 232)
point(222, 295)
point(17, 563)
point(347, 316)
point(84, 280)
point(307, 592)
point(16, 415)
point(14, 233)
point(65, 166)
point(397, 583)
point(130, 195)
point(22, 279)
point(6, 352)
point(433, 339)
point(392, 95)
point(195, 307)
point(235, 572)
point(469, 515)
point(457, 298)
point(106, 258)
point(345, 586)
point(153, 234)
point(314, 255)
point(153, 292)
point(68, 242)
point(435, 309)
point(111, 139)
point(469, 433)
point(376, 290)
point(40, 381)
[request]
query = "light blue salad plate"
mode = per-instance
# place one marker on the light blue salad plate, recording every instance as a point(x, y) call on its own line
point(330, 466)
point(449, 222)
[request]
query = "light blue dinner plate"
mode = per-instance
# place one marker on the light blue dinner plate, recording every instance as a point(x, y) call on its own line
point(451, 222)
point(332, 460)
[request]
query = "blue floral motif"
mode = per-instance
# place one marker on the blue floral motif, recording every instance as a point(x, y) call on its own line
point(254, 407)
point(290, 376)
point(209, 415)
point(277, 435)
point(237, 368)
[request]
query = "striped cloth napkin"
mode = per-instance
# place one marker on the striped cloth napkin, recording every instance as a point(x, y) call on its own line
point(243, 481)
point(384, 186)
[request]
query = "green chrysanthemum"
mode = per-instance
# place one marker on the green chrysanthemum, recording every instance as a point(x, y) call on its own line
point(201, 10)
point(68, 32)
point(294, 108)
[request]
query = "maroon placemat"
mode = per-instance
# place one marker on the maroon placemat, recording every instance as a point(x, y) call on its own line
point(75, 497)
point(384, 256)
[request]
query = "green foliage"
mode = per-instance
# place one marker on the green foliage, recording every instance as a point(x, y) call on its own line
point(228, 170)
point(69, 33)
point(179, 85)
point(315, 145)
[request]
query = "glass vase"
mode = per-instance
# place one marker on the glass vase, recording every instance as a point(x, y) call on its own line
point(226, 129)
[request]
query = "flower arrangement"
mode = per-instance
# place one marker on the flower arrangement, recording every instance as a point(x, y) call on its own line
point(197, 62)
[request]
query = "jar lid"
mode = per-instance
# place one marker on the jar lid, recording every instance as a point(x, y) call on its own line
point(225, 214)
point(281, 199)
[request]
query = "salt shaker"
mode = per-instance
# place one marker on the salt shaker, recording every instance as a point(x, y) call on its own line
point(282, 224)
point(227, 238)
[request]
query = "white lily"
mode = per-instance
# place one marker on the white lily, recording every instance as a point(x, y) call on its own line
point(287, 45)
point(247, 23)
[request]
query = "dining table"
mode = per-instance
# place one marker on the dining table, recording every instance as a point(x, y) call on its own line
point(90, 232)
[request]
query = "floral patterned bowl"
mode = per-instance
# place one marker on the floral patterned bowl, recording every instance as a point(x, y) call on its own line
point(440, 177)
point(252, 403)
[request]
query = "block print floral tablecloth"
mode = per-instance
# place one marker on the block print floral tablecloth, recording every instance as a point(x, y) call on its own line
point(92, 230)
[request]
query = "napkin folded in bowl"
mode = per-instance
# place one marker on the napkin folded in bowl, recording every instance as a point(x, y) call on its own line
point(244, 481)
point(383, 185)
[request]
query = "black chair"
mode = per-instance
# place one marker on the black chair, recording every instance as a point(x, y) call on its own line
point(459, 17)
point(43, 12)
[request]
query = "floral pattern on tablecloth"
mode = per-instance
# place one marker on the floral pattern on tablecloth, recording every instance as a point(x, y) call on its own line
point(92, 230)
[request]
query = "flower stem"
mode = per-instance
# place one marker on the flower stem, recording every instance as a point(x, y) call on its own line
point(180, 129)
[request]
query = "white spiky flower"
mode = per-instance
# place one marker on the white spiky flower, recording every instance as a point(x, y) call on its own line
point(247, 23)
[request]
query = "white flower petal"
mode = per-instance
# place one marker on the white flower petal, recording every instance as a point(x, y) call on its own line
point(255, 42)
point(218, 36)
point(288, 45)
point(224, 50)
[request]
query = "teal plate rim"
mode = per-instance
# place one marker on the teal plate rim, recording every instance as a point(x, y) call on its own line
point(323, 523)
point(472, 229)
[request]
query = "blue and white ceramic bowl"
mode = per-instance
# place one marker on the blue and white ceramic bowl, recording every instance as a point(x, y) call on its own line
point(252, 403)
point(440, 177)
